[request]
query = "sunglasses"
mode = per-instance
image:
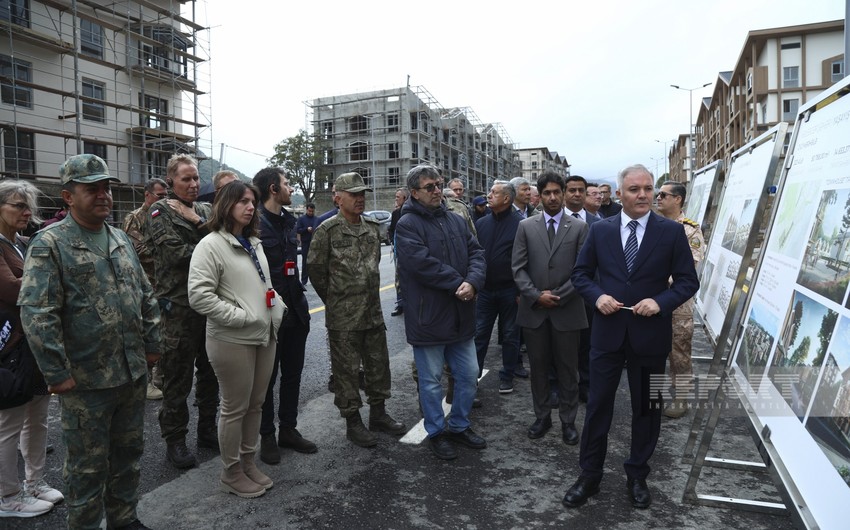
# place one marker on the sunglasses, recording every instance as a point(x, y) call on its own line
point(663, 195)
point(431, 187)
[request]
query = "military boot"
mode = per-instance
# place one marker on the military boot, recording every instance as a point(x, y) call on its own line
point(179, 455)
point(207, 433)
point(380, 421)
point(357, 433)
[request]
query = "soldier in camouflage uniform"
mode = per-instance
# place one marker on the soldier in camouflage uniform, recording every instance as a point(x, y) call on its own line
point(134, 224)
point(671, 200)
point(343, 261)
point(92, 322)
point(175, 226)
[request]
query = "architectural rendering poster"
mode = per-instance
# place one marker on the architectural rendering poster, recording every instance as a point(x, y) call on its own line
point(745, 187)
point(697, 205)
point(793, 359)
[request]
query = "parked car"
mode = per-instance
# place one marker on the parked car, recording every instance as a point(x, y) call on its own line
point(383, 218)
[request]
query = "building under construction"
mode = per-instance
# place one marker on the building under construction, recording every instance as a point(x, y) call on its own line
point(124, 80)
point(383, 134)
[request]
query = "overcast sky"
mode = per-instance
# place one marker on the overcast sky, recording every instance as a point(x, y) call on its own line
point(590, 80)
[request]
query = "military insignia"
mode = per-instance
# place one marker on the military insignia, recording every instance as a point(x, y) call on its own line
point(690, 222)
point(40, 252)
point(155, 213)
point(695, 242)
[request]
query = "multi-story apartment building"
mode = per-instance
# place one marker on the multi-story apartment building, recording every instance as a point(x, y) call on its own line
point(118, 79)
point(535, 160)
point(383, 134)
point(778, 70)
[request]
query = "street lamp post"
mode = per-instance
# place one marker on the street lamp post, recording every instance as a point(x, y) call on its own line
point(691, 130)
point(666, 153)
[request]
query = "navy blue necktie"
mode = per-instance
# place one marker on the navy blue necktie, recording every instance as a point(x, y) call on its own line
point(631, 248)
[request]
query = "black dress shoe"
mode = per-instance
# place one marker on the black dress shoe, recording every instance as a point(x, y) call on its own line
point(639, 493)
point(476, 403)
point(539, 427)
point(397, 311)
point(442, 447)
point(569, 433)
point(467, 438)
point(583, 489)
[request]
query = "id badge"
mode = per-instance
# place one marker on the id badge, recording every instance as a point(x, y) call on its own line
point(289, 268)
point(270, 298)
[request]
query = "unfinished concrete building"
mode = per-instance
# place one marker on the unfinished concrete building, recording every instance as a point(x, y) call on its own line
point(383, 134)
point(533, 161)
point(120, 80)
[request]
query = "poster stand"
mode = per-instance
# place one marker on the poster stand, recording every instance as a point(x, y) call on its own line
point(799, 295)
point(735, 308)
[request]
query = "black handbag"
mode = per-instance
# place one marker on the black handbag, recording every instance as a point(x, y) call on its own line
point(17, 368)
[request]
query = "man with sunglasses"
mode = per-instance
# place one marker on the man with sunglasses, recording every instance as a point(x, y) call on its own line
point(441, 269)
point(670, 201)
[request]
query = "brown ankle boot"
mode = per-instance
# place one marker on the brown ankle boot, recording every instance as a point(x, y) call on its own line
point(235, 481)
point(253, 472)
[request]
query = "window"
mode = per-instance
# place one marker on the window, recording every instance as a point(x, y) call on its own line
point(790, 76)
point(327, 130)
point(358, 151)
point(837, 71)
point(17, 70)
point(328, 158)
point(16, 12)
point(534, 164)
point(94, 148)
point(155, 163)
point(91, 39)
point(358, 125)
point(155, 57)
point(414, 150)
point(393, 175)
point(414, 120)
point(790, 46)
point(392, 122)
point(91, 109)
point(19, 152)
point(789, 109)
point(427, 153)
point(156, 113)
point(392, 150)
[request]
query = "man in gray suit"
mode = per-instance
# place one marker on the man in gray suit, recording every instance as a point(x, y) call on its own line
point(550, 312)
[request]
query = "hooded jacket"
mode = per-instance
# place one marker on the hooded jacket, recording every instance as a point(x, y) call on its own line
point(436, 253)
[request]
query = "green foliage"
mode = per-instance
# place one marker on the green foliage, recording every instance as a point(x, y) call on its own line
point(210, 166)
point(827, 324)
point(301, 157)
point(802, 351)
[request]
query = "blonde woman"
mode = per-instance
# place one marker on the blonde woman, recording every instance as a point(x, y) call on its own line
point(23, 417)
point(229, 283)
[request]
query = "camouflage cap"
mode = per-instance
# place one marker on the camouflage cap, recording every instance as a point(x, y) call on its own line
point(84, 169)
point(351, 182)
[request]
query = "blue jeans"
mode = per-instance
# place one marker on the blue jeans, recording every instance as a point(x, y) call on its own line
point(502, 303)
point(460, 356)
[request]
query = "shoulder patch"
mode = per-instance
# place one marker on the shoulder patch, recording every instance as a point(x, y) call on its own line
point(690, 222)
point(40, 252)
point(369, 219)
point(155, 213)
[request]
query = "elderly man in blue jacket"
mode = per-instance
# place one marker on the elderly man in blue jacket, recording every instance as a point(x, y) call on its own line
point(441, 268)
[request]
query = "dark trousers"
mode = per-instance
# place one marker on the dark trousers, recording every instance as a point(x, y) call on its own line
point(606, 369)
point(305, 249)
point(501, 303)
point(289, 359)
point(584, 352)
point(550, 349)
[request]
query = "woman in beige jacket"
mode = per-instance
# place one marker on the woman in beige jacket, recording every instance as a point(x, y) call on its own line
point(229, 284)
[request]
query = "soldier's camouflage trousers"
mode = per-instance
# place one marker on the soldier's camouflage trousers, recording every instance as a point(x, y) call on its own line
point(103, 431)
point(348, 348)
point(184, 350)
point(683, 333)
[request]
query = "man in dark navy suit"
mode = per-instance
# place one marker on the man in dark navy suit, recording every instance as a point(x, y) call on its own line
point(623, 271)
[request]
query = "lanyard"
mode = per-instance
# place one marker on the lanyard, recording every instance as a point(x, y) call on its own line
point(246, 244)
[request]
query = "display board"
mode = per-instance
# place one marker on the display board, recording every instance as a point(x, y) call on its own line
point(700, 195)
point(736, 227)
point(793, 358)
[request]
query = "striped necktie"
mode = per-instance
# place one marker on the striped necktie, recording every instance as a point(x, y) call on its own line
point(631, 248)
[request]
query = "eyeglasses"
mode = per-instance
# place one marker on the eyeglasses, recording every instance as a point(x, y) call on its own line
point(433, 186)
point(663, 195)
point(19, 205)
point(162, 195)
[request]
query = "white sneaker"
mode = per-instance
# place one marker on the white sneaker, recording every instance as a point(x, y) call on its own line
point(41, 491)
point(22, 504)
point(153, 393)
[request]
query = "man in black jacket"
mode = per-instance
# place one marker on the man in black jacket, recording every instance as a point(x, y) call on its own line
point(498, 298)
point(277, 231)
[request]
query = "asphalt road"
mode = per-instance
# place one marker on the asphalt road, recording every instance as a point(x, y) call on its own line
point(514, 483)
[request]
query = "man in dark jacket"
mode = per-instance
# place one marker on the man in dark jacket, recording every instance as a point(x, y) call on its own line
point(498, 298)
point(277, 231)
point(441, 268)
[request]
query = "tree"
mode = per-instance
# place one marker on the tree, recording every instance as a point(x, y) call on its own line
point(301, 157)
point(827, 324)
point(802, 351)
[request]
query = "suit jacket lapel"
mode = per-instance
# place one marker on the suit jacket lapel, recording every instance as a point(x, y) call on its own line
point(615, 243)
point(647, 244)
point(563, 228)
point(541, 229)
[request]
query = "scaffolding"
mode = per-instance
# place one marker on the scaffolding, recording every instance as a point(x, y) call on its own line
point(122, 80)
